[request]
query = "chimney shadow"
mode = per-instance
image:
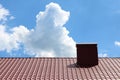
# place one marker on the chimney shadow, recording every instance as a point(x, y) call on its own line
point(79, 66)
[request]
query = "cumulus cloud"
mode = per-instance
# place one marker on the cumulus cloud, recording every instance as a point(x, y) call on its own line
point(48, 39)
point(117, 43)
point(11, 41)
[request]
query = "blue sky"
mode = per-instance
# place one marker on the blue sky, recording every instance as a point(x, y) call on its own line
point(89, 21)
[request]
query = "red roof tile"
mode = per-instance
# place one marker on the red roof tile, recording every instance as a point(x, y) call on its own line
point(57, 68)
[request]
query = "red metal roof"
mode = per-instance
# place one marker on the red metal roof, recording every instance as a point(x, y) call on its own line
point(57, 68)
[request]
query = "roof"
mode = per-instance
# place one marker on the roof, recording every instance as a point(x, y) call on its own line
point(57, 68)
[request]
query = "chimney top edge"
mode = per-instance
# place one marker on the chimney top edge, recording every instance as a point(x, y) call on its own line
point(86, 43)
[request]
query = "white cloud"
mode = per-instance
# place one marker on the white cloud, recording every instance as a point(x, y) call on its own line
point(11, 41)
point(3, 13)
point(48, 39)
point(12, 17)
point(103, 55)
point(117, 43)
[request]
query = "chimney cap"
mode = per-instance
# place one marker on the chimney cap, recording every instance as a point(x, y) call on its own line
point(87, 43)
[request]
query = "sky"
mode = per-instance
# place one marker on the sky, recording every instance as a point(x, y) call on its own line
point(52, 28)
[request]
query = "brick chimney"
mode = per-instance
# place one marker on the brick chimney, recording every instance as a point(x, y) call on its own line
point(87, 54)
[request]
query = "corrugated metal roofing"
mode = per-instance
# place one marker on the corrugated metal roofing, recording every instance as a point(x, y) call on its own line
point(57, 69)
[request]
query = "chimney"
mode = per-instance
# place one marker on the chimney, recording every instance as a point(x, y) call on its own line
point(87, 54)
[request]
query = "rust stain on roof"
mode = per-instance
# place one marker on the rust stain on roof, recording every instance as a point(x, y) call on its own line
point(57, 69)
